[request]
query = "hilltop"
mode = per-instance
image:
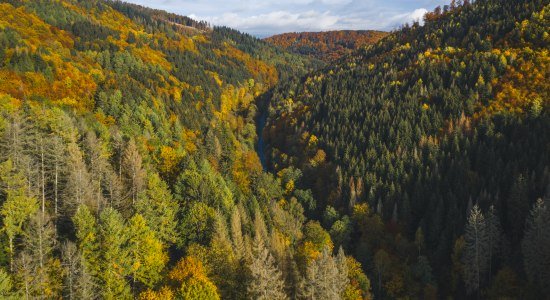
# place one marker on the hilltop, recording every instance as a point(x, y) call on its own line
point(327, 46)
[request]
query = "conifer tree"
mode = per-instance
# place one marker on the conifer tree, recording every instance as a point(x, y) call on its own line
point(476, 250)
point(266, 279)
point(535, 245)
point(159, 209)
point(18, 206)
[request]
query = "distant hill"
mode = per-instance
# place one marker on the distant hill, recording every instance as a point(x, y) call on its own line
point(327, 46)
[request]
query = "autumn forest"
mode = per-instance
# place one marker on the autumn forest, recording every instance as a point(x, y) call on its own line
point(147, 155)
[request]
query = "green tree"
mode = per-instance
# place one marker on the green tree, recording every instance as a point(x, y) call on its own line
point(115, 255)
point(88, 239)
point(535, 245)
point(147, 254)
point(18, 206)
point(159, 209)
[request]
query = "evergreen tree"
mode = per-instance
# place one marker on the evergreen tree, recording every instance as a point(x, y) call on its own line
point(476, 250)
point(159, 209)
point(323, 278)
point(17, 207)
point(535, 245)
point(266, 279)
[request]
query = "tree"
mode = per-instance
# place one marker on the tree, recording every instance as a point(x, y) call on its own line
point(191, 280)
point(382, 263)
point(535, 245)
point(71, 264)
point(18, 206)
point(266, 279)
point(40, 243)
point(115, 255)
point(78, 188)
point(494, 234)
point(147, 254)
point(197, 225)
point(323, 278)
point(132, 170)
point(518, 208)
point(476, 250)
point(6, 286)
point(88, 240)
point(159, 209)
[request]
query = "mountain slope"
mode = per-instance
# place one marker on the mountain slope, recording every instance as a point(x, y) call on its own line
point(326, 46)
point(128, 165)
point(418, 129)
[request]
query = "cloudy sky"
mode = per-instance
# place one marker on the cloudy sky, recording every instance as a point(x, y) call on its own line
point(268, 17)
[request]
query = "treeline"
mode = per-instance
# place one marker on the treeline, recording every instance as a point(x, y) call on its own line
point(428, 130)
point(128, 169)
point(326, 46)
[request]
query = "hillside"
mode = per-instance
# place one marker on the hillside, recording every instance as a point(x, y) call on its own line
point(128, 167)
point(326, 46)
point(427, 152)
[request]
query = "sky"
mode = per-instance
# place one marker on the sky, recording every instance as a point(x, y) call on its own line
point(268, 17)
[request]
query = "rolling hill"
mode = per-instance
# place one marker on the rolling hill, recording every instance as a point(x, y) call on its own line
point(326, 46)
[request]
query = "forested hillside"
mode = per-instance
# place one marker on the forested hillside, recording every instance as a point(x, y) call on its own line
point(428, 153)
point(128, 167)
point(327, 46)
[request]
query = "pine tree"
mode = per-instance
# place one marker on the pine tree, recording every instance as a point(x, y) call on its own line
point(323, 279)
point(40, 243)
point(147, 254)
point(494, 234)
point(159, 209)
point(266, 279)
point(132, 170)
point(115, 260)
point(476, 250)
point(18, 206)
point(536, 244)
point(78, 189)
point(6, 286)
point(88, 240)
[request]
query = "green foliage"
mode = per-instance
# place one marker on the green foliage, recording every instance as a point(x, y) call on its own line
point(416, 126)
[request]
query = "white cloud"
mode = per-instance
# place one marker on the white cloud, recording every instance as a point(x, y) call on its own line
point(266, 17)
point(279, 21)
point(416, 15)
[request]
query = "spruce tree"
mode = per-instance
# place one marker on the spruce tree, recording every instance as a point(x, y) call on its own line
point(536, 244)
point(476, 250)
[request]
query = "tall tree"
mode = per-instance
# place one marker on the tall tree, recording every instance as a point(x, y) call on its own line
point(115, 260)
point(323, 278)
point(159, 209)
point(147, 254)
point(476, 250)
point(18, 206)
point(40, 243)
point(535, 245)
point(494, 235)
point(266, 279)
point(78, 188)
point(132, 170)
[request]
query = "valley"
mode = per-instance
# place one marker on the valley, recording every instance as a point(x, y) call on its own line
point(148, 155)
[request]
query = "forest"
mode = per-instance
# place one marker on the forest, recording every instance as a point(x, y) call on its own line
point(328, 45)
point(427, 153)
point(128, 167)
point(410, 164)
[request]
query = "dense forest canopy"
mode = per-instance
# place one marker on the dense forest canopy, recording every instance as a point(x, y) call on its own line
point(327, 45)
point(415, 167)
point(128, 165)
point(428, 153)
